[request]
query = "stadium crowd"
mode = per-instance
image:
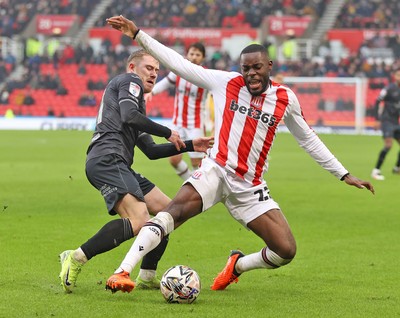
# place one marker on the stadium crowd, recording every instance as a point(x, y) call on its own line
point(16, 16)
point(369, 14)
point(209, 13)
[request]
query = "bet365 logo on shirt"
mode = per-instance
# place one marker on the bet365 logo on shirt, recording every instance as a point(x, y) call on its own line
point(254, 113)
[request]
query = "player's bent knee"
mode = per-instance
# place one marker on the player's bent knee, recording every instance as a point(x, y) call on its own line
point(285, 248)
point(276, 260)
point(289, 252)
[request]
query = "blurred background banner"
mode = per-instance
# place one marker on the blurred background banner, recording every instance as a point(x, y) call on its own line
point(58, 56)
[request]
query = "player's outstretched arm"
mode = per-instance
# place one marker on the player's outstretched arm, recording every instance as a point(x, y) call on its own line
point(361, 184)
point(156, 151)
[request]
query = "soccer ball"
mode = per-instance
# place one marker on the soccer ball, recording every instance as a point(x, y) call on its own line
point(180, 284)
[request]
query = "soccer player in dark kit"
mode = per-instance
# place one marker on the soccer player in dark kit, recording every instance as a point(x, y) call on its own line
point(121, 125)
point(388, 119)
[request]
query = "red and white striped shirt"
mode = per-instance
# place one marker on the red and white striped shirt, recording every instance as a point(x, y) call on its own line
point(189, 101)
point(246, 125)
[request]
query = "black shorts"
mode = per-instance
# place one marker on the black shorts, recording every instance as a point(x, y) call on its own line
point(390, 130)
point(113, 178)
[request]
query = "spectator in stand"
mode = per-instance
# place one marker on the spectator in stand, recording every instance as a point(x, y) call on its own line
point(50, 111)
point(91, 100)
point(43, 81)
point(340, 104)
point(394, 44)
point(96, 85)
point(28, 98)
point(82, 100)
point(289, 45)
point(9, 114)
point(321, 104)
point(3, 71)
point(87, 99)
point(82, 68)
point(33, 64)
point(34, 82)
point(84, 52)
point(349, 104)
point(10, 60)
point(68, 55)
point(61, 90)
point(56, 59)
point(4, 97)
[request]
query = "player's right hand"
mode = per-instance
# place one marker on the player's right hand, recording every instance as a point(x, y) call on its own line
point(123, 24)
point(176, 140)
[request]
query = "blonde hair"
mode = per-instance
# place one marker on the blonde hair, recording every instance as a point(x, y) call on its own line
point(136, 56)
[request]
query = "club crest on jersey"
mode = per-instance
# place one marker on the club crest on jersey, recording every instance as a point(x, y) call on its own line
point(134, 89)
point(196, 175)
point(257, 102)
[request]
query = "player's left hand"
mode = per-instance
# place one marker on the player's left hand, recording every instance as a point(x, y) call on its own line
point(361, 184)
point(203, 143)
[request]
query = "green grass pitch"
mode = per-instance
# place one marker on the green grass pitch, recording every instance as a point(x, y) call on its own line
point(347, 263)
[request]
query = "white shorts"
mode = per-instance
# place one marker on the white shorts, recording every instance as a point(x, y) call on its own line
point(244, 201)
point(190, 134)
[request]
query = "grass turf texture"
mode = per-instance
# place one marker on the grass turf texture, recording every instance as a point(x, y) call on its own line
point(347, 264)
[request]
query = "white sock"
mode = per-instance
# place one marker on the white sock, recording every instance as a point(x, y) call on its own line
point(79, 256)
point(183, 170)
point(249, 262)
point(147, 274)
point(256, 260)
point(147, 239)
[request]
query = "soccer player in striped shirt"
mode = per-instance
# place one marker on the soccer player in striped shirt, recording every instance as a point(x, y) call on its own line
point(248, 109)
point(189, 110)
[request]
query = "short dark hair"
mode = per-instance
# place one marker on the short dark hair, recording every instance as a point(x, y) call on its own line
point(253, 48)
point(199, 46)
point(136, 56)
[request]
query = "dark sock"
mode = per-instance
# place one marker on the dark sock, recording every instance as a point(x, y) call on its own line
point(110, 236)
point(151, 259)
point(381, 157)
point(398, 160)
